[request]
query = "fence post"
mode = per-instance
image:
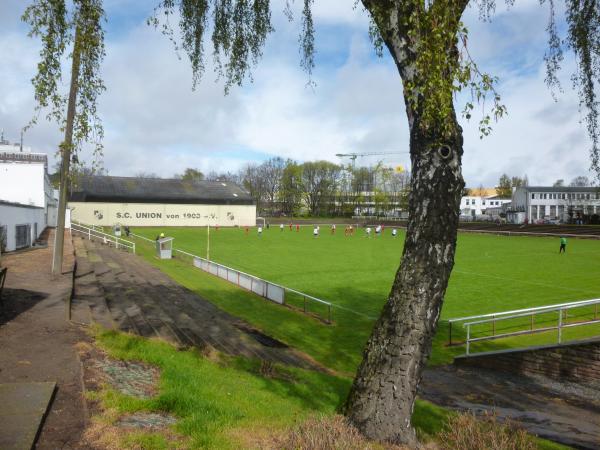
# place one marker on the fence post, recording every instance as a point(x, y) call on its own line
point(329, 308)
point(596, 311)
point(266, 289)
point(449, 333)
point(560, 314)
point(304, 302)
point(532, 321)
point(494, 326)
point(468, 337)
point(89, 234)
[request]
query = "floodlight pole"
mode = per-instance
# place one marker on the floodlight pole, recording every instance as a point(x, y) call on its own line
point(207, 241)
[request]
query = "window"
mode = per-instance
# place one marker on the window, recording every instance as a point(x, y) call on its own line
point(533, 196)
point(3, 237)
point(23, 236)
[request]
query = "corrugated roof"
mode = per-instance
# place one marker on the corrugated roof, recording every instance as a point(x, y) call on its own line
point(561, 189)
point(157, 190)
point(20, 205)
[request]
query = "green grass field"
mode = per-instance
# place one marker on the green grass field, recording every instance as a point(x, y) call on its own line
point(492, 273)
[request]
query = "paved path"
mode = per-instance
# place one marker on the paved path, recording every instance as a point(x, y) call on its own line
point(562, 412)
point(38, 343)
point(119, 290)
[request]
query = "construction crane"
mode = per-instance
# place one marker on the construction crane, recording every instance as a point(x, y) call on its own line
point(353, 156)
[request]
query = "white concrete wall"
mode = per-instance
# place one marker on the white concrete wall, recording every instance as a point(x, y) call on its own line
point(471, 203)
point(11, 216)
point(157, 214)
point(23, 183)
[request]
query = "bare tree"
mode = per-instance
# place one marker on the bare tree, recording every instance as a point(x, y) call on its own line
point(580, 181)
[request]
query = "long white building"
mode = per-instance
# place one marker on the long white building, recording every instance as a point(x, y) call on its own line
point(20, 225)
point(27, 203)
point(564, 204)
point(105, 200)
point(24, 179)
point(475, 205)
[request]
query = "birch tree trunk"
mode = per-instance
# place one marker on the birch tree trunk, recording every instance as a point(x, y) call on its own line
point(65, 150)
point(382, 397)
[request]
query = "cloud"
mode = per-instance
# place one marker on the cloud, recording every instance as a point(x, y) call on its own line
point(155, 123)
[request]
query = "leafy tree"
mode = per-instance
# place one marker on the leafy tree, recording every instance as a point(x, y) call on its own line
point(190, 174)
point(428, 43)
point(559, 183)
point(580, 181)
point(504, 188)
point(319, 182)
point(272, 172)
point(519, 182)
point(60, 27)
point(506, 185)
point(290, 192)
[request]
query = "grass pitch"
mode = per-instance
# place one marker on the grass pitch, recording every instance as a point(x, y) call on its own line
point(491, 273)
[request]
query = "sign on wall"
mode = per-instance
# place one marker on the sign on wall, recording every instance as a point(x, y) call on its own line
point(143, 214)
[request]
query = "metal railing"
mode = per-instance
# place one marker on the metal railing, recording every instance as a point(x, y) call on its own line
point(529, 327)
point(266, 289)
point(104, 237)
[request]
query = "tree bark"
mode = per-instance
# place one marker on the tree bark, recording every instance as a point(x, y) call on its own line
point(382, 398)
point(381, 401)
point(65, 151)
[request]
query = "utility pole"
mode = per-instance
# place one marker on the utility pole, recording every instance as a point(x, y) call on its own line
point(65, 150)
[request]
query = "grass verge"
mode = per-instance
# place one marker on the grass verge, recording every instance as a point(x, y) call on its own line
point(224, 402)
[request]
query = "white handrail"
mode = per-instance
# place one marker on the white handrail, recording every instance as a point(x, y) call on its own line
point(85, 230)
point(141, 237)
point(541, 309)
point(525, 310)
point(318, 300)
point(531, 312)
point(287, 289)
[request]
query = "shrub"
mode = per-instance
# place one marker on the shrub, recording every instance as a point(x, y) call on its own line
point(467, 432)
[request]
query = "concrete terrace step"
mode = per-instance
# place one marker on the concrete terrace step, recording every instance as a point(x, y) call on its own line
point(224, 331)
point(141, 299)
point(89, 303)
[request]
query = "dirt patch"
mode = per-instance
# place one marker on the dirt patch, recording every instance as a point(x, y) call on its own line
point(146, 420)
point(108, 429)
point(130, 378)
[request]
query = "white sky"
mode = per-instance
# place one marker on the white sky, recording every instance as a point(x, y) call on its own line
point(155, 123)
